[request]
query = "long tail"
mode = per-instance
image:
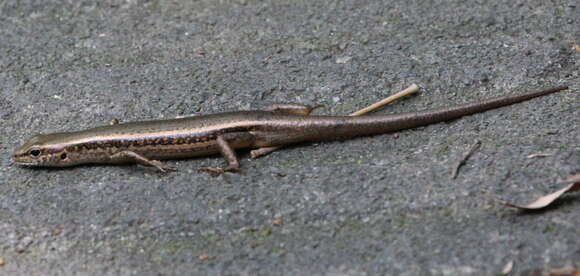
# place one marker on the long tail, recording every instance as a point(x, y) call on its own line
point(415, 119)
point(376, 124)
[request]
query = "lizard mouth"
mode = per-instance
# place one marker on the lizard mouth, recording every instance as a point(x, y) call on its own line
point(25, 163)
point(19, 161)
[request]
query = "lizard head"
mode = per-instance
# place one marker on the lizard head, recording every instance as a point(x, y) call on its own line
point(42, 150)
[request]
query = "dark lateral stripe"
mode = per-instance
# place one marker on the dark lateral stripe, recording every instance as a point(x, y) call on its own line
point(178, 140)
point(144, 142)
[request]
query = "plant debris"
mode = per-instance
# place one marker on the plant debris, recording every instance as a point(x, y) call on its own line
point(413, 88)
point(203, 257)
point(343, 60)
point(507, 269)
point(466, 156)
point(536, 155)
point(277, 221)
point(573, 185)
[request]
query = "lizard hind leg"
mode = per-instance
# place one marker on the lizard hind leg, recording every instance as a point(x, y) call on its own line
point(299, 109)
point(229, 154)
point(226, 144)
point(296, 109)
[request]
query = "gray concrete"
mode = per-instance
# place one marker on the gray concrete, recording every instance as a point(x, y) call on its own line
point(373, 205)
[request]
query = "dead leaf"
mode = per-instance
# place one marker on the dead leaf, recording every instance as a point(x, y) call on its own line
point(507, 269)
point(277, 221)
point(203, 257)
point(574, 185)
point(2, 262)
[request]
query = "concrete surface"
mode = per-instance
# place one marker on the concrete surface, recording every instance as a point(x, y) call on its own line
point(374, 205)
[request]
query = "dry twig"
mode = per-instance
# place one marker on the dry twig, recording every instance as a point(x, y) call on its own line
point(466, 156)
point(536, 155)
point(407, 91)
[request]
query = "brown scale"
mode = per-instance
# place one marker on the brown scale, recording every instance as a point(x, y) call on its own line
point(178, 141)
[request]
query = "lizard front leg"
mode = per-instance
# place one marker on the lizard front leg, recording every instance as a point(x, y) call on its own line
point(126, 155)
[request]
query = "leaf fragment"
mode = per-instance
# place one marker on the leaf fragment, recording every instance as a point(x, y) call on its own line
point(507, 269)
point(573, 185)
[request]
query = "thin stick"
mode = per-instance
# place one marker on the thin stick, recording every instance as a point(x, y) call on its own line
point(409, 90)
point(473, 148)
point(535, 155)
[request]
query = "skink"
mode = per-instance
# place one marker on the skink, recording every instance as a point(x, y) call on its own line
point(147, 142)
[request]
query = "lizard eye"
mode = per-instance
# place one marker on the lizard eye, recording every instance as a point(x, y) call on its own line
point(63, 156)
point(35, 152)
